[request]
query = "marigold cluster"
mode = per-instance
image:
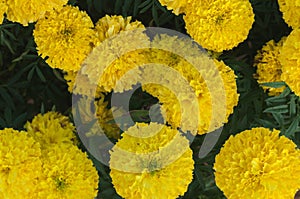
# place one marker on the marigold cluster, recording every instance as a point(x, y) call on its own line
point(44, 162)
point(151, 161)
point(258, 163)
point(269, 68)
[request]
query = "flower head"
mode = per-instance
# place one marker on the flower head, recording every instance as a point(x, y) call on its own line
point(115, 54)
point(190, 77)
point(214, 26)
point(29, 11)
point(269, 68)
point(289, 59)
point(20, 165)
point(66, 37)
point(160, 160)
point(68, 173)
point(291, 12)
point(258, 163)
point(51, 128)
point(177, 6)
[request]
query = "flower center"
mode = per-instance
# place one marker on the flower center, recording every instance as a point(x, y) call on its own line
point(60, 183)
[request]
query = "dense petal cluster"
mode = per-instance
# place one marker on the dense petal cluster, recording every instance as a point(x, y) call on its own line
point(68, 174)
point(50, 129)
point(258, 163)
point(109, 26)
point(269, 68)
point(291, 12)
point(177, 6)
point(160, 159)
point(65, 37)
point(29, 11)
point(289, 59)
point(20, 165)
point(214, 26)
point(3, 9)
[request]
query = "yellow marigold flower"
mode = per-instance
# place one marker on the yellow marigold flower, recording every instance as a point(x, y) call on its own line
point(109, 26)
point(220, 26)
point(50, 129)
point(66, 37)
point(177, 6)
point(171, 101)
point(114, 58)
point(290, 10)
point(289, 59)
point(83, 85)
point(68, 174)
point(103, 115)
point(258, 163)
point(268, 66)
point(160, 160)
point(111, 59)
point(29, 11)
point(20, 165)
point(3, 9)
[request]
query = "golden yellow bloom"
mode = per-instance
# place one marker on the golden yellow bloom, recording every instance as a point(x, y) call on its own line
point(50, 129)
point(258, 163)
point(68, 174)
point(289, 59)
point(151, 161)
point(29, 11)
point(66, 37)
point(3, 9)
point(220, 26)
point(291, 12)
point(109, 26)
point(20, 165)
point(268, 66)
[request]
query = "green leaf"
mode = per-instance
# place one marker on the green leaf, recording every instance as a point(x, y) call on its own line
point(274, 84)
point(290, 132)
point(277, 109)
